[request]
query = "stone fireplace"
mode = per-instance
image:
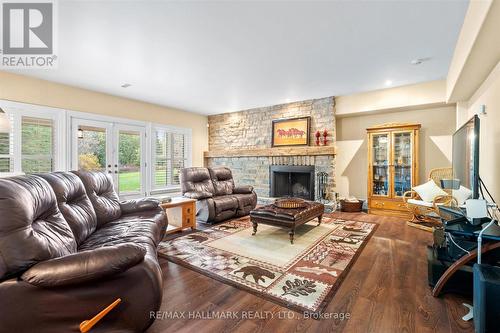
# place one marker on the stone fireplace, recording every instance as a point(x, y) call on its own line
point(242, 142)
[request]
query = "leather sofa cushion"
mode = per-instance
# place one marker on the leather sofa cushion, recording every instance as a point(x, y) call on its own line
point(224, 203)
point(32, 228)
point(196, 180)
point(139, 205)
point(225, 215)
point(157, 218)
point(243, 189)
point(84, 266)
point(245, 200)
point(222, 178)
point(73, 203)
point(145, 228)
point(198, 195)
point(26, 308)
point(99, 187)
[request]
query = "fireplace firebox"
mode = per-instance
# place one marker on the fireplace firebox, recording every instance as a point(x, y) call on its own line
point(292, 181)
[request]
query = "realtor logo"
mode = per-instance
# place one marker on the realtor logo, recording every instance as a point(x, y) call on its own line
point(28, 34)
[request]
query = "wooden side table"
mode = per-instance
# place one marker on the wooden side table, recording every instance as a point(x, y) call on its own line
point(181, 214)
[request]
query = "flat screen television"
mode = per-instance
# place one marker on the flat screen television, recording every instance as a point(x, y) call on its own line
point(466, 155)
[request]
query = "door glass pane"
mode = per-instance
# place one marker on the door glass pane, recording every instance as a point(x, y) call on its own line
point(380, 162)
point(402, 163)
point(91, 148)
point(129, 150)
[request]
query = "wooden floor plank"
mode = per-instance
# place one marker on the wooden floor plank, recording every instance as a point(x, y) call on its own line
point(385, 291)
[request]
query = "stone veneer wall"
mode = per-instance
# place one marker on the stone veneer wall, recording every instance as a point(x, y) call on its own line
point(252, 129)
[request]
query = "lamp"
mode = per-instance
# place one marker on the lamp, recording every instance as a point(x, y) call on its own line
point(4, 122)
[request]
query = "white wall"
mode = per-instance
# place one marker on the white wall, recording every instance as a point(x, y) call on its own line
point(489, 95)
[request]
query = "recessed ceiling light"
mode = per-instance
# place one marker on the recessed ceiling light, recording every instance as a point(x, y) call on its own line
point(388, 83)
point(125, 85)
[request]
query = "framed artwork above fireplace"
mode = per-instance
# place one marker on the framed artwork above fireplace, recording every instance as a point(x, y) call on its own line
point(291, 132)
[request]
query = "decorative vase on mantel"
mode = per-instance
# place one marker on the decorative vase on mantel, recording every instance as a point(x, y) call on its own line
point(318, 135)
point(325, 135)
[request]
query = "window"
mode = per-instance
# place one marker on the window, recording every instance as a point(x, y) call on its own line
point(37, 145)
point(6, 151)
point(30, 147)
point(170, 154)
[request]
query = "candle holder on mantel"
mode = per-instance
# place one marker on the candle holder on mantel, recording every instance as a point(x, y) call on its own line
point(318, 135)
point(325, 135)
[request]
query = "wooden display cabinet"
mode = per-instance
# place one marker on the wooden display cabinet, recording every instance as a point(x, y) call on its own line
point(392, 166)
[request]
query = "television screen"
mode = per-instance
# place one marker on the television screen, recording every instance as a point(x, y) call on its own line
point(466, 156)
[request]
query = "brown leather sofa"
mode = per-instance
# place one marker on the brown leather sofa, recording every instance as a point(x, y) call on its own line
point(69, 248)
point(218, 199)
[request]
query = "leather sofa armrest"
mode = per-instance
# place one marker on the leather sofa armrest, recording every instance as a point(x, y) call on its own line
point(138, 205)
point(198, 195)
point(85, 266)
point(243, 189)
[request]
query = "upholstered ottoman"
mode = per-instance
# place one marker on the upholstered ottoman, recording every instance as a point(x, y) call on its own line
point(286, 217)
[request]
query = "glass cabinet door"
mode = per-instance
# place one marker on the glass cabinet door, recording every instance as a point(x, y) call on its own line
point(402, 161)
point(380, 164)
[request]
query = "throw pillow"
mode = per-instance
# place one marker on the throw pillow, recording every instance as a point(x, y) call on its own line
point(429, 191)
point(462, 194)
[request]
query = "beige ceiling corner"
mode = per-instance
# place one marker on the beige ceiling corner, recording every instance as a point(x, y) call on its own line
point(475, 56)
point(426, 94)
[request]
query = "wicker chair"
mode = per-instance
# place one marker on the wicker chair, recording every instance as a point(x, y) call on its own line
point(425, 214)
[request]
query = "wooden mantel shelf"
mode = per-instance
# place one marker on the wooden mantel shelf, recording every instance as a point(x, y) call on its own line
point(269, 152)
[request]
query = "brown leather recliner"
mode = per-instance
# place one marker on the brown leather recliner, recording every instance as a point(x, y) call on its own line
point(68, 248)
point(218, 199)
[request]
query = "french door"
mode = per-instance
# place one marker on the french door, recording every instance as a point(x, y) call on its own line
point(111, 147)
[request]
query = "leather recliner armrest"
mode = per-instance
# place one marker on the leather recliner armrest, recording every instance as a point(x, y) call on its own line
point(84, 266)
point(243, 189)
point(198, 195)
point(138, 205)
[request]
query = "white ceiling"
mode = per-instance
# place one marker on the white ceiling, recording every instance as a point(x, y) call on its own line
point(212, 57)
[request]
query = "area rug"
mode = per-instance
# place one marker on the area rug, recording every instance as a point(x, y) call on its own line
point(302, 277)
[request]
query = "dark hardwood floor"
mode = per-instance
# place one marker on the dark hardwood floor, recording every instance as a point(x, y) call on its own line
point(385, 291)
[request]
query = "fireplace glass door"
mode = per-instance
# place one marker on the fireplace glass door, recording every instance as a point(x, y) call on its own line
point(292, 181)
